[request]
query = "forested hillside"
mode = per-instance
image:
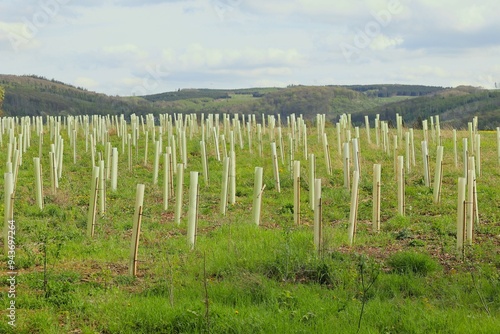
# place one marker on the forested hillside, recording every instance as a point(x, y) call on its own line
point(455, 108)
point(34, 95)
point(2, 92)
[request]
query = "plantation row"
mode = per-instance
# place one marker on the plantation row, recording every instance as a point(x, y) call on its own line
point(340, 185)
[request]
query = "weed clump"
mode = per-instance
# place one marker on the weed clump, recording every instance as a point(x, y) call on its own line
point(412, 263)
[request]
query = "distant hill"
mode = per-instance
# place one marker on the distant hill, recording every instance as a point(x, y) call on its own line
point(34, 95)
point(455, 107)
point(2, 92)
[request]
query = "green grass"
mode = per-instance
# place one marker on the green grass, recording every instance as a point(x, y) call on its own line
point(242, 278)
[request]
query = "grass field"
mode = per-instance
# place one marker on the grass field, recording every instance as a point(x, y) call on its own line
point(243, 278)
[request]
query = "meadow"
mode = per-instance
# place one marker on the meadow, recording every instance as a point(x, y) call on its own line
point(240, 277)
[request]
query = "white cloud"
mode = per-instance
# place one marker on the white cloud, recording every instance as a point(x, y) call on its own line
point(116, 46)
point(196, 56)
point(125, 49)
point(382, 42)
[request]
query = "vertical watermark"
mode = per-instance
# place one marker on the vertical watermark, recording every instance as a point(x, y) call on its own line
point(11, 272)
point(46, 11)
point(365, 36)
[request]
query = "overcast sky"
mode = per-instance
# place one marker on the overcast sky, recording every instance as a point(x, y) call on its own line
point(127, 47)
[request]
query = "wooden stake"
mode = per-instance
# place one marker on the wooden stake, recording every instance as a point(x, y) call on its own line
point(275, 167)
point(462, 182)
point(136, 229)
point(425, 158)
point(346, 161)
point(438, 178)
point(91, 217)
point(353, 214)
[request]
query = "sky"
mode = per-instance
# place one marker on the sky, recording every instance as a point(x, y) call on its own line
point(131, 47)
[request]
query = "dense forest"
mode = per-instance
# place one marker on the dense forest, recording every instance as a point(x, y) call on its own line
point(455, 108)
point(2, 92)
point(394, 90)
point(33, 95)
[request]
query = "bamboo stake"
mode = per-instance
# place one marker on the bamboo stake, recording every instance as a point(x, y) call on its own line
point(136, 230)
